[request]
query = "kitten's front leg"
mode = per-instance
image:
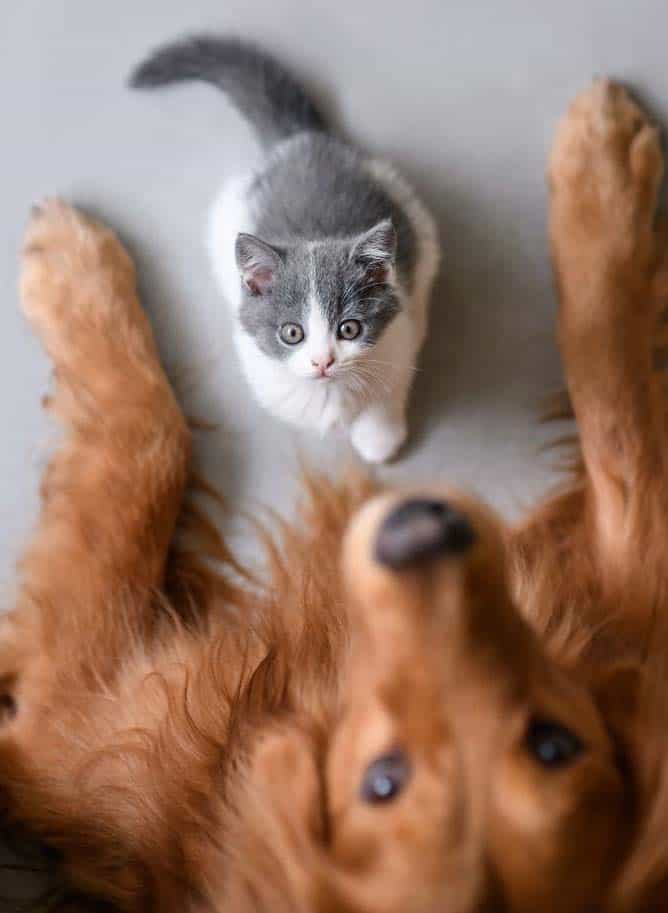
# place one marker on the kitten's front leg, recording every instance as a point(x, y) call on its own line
point(379, 431)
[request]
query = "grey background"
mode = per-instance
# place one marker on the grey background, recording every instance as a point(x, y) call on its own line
point(462, 96)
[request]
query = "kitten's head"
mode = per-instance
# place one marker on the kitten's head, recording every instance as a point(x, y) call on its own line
point(319, 306)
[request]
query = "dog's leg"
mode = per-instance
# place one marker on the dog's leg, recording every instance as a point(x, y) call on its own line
point(605, 172)
point(90, 582)
point(113, 489)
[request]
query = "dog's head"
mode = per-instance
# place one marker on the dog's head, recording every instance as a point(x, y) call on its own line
point(467, 769)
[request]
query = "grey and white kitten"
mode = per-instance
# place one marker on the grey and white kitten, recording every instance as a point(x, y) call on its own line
point(326, 256)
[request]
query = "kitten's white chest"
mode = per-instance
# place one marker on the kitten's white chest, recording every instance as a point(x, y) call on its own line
point(321, 405)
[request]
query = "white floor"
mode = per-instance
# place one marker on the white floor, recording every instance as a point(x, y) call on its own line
point(462, 96)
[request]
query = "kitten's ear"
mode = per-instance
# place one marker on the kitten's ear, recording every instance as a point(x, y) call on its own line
point(376, 248)
point(257, 262)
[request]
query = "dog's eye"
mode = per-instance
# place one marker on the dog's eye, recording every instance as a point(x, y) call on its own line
point(385, 778)
point(552, 744)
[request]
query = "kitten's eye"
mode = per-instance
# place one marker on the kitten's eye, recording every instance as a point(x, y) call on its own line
point(291, 334)
point(551, 744)
point(385, 778)
point(350, 329)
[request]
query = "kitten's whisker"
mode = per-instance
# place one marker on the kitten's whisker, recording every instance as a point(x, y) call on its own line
point(363, 390)
point(359, 387)
point(378, 361)
point(352, 371)
point(371, 377)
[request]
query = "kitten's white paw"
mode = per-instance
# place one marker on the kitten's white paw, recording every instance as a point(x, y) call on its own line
point(378, 441)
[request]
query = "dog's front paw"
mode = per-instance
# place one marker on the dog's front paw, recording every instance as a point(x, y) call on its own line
point(74, 271)
point(605, 171)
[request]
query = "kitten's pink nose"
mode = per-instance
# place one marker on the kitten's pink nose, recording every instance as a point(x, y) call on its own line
point(323, 363)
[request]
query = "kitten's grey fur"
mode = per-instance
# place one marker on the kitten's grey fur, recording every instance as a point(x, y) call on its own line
point(330, 229)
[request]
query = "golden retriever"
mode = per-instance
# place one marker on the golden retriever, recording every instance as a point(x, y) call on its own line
point(418, 709)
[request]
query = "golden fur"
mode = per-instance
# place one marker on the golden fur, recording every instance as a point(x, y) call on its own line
point(192, 738)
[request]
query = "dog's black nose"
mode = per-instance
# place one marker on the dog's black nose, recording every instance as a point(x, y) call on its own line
point(419, 530)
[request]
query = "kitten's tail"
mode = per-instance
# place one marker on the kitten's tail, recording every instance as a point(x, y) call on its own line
point(270, 99)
